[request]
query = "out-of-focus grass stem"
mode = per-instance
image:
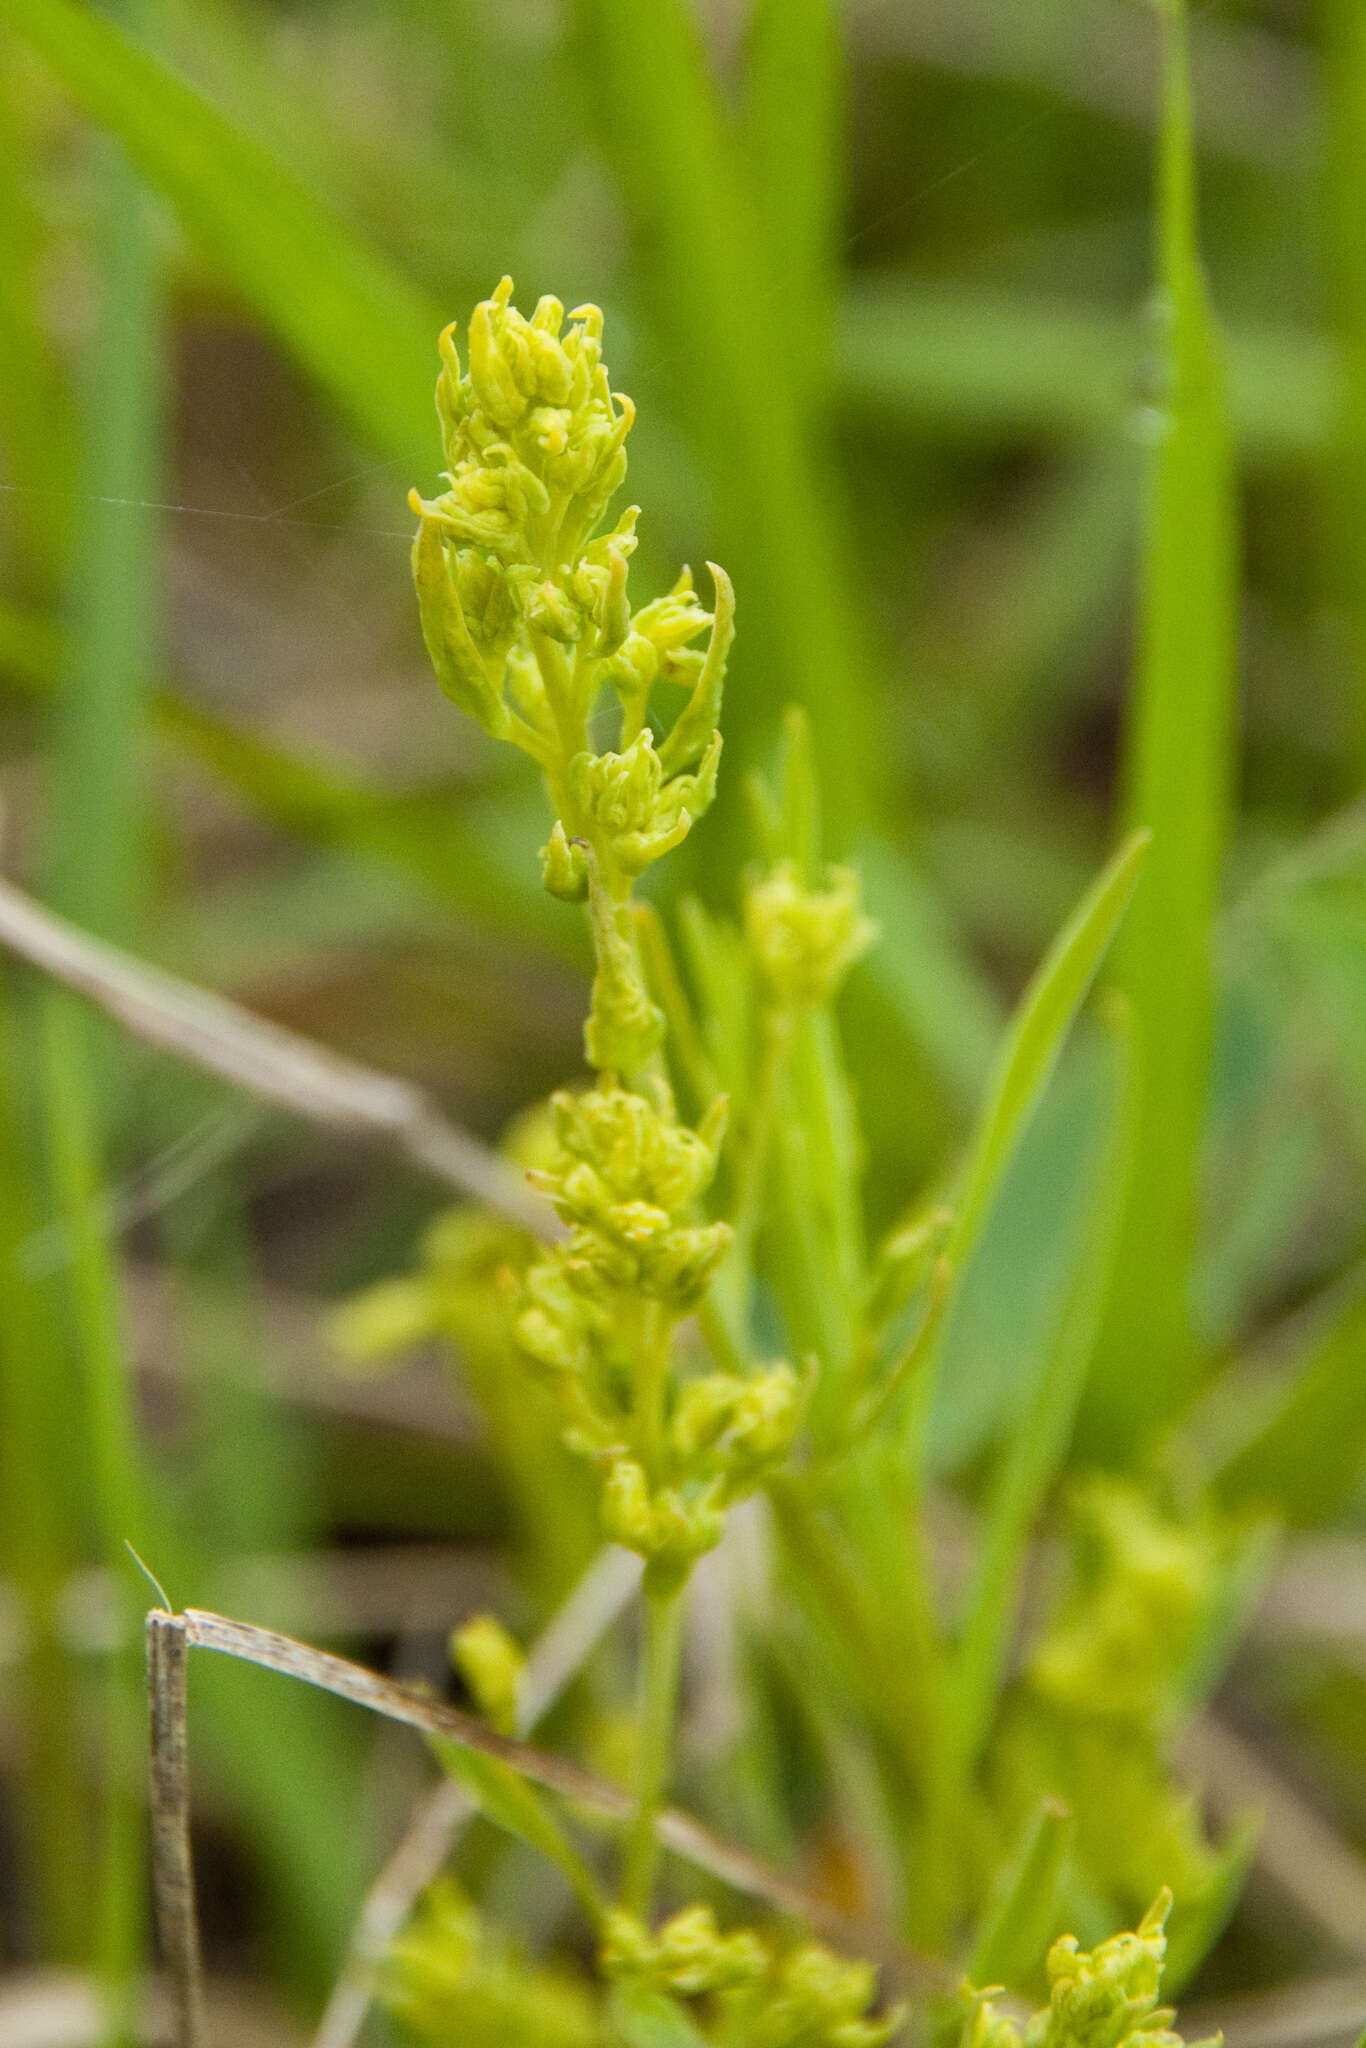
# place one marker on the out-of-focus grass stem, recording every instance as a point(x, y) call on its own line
point(1344, 30)
point(39, 1544)
point(99, 824)
point(1178, 764)
point(98, 848)
point(119, 1497)
point(38, 1551)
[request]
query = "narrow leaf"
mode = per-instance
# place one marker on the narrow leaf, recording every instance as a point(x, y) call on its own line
point(1178, 763)
point(1033, 1044)
point(1037, 1032)
point(517, 1807)
point(1019, 1920)
point(1037, 1447)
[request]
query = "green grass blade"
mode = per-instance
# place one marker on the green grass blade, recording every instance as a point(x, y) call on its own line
point(974, 364)
point(100, 830)
point(39, 1553)
point(35, 423)
point(1178, 762)
point(352, 321)
point(1037, 1032)
point(1038, 1445)
point(119, 1496)
point(1019, 1922)
point(685, 181)
point(793, 89)
point(521, 1810)
point(98, 851)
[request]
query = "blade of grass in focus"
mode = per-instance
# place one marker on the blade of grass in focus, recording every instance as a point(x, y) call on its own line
point(1178, 773)
point(352, 321)
point(724, 325)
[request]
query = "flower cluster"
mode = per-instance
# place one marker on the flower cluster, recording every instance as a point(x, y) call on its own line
point(811, 1998)
point(527, 619)
point(449, 1978)
point(1106, 1998)
point(1098, 1693)
point(804, 940)
point(596, 1315)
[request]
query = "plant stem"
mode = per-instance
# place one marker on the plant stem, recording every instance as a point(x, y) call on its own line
point(658, 1695)
point(734, 1283)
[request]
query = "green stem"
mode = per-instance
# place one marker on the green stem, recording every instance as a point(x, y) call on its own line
point(653, 1346)
point(658, 1695)
point(736, 1278)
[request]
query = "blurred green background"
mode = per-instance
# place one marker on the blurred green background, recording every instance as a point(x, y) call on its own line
point(880, 280)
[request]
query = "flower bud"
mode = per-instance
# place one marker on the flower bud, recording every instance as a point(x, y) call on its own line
point(563, 867)
point(491, 1664)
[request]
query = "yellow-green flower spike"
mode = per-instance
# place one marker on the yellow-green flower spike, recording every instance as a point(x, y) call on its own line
point(805, 940)
point(1104, 1998)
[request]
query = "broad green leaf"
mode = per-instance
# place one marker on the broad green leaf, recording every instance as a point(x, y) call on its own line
point(1177, 769)
point(925, 970)
point(1038, 1444)
point(356, 325)
point(1036, 1034)
point(649, 2019)
point(1028, 1057)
